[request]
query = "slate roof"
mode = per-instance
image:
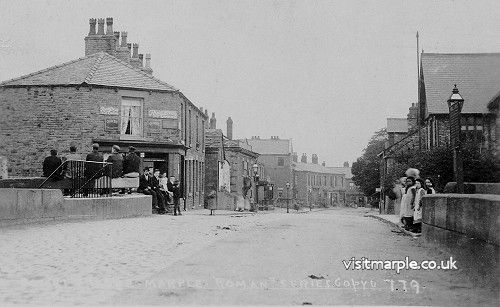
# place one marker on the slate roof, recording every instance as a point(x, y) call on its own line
point(96, 69)
point(397, 125)
point(318, 168)
point(477, 77)
point(270, 146)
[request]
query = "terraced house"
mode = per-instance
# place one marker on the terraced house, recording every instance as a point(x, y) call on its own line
point(108, 97)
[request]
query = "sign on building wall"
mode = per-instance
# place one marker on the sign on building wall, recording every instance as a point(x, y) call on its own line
point(111, 124)
point(169, 124)
point(154, 124)
point(162, 114)
point(108, 111)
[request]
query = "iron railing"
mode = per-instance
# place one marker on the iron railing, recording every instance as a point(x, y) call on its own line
point(82, 179)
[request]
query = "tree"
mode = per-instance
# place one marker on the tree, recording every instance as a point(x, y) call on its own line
point(366, 169)
point(437, 163)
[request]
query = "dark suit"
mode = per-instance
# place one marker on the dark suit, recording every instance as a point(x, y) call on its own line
point(117, 161)
point(50, 164)
point(131, 163)
point(155, 186)
point(92, 168)
point(177, 196)
point(146, 188)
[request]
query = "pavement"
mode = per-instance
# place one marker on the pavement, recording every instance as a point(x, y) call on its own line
point(392, 219)
point(226, 259)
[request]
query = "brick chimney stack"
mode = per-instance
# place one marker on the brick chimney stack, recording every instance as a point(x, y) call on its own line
point(295, 157)
point(124, 39)
point(206, 112)
point(213, 122)
point(141, 58)
point(346, 164)
point(323, 164)
point(109, 26)
point(92, 22)
point(147, 65)
point(413, 117)
point(117, 38)
point(135, 53)
point(98, 42)
point(100, 26)
point(229, 125)
point(314, 159)
point(303, 159)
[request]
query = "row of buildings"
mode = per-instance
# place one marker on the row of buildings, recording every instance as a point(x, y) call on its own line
point(477, 76)
point(110, 96)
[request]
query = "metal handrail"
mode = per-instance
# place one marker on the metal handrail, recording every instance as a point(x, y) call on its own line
point(50, 176)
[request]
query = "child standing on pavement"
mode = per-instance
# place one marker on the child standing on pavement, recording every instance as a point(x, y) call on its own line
point(417, 211)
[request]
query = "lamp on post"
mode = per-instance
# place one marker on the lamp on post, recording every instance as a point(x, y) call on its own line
point(455, 104)
point(255, 169)
point(287, 197)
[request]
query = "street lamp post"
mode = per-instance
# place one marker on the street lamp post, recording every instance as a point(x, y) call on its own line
point(455, 104)
point(287, 197)
point(309, 195)
point(255, 169)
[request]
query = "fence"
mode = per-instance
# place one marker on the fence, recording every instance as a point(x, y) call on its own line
point(83, 179)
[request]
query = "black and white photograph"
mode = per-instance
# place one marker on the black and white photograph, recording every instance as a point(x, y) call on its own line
point(249, 152)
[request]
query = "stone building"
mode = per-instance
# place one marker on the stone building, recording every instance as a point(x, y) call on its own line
point(222, 150)
point(107, 97)
point(477, 77)
point(316, 184)
point(275, 155)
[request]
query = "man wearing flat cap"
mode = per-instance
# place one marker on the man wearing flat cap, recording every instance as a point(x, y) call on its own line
point(95, 156)
point(117, 160)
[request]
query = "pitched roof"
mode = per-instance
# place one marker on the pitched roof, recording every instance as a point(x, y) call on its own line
point(477, 77)
point(343, 170)
point(318, 168)
point(270, 146)
point(97, 69)
point(397, 125)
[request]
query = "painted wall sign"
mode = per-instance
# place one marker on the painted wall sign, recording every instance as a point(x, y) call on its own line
point(163, 114)
point(108, 111)
point(111, 124)
point(169, 124)
point(154, 124)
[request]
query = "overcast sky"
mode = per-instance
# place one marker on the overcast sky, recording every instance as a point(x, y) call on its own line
point(326, 74)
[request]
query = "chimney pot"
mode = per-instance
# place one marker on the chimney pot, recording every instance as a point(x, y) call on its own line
point(100, 26)
point(92, 22)
point(324, 163)
point(124, 39)
point(206, 112)
point(303, 159)
point(109, 26)
point(346, 164)
point(135, 53)
point(314, 159)
point(148, 60)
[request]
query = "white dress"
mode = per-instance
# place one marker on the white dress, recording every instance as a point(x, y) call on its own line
point(417, 212)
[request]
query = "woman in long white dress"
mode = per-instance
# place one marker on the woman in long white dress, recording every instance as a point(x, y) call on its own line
point(407, 203)
point(417, 211)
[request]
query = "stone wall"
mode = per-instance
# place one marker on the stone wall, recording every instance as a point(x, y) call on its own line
point(469, 227)
point(20, 206)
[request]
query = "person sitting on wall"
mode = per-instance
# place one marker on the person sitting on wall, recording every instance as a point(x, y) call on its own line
point(155, 185)
point(117, 160)
point(70, 165)
point(92, 169)
point(51, 166)
point(131, 164)
point(145, 188)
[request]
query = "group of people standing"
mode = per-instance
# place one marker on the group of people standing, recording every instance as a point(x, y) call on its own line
point(164, 191)
point(412, 191)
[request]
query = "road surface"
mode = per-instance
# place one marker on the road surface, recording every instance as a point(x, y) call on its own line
point(230, 258)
